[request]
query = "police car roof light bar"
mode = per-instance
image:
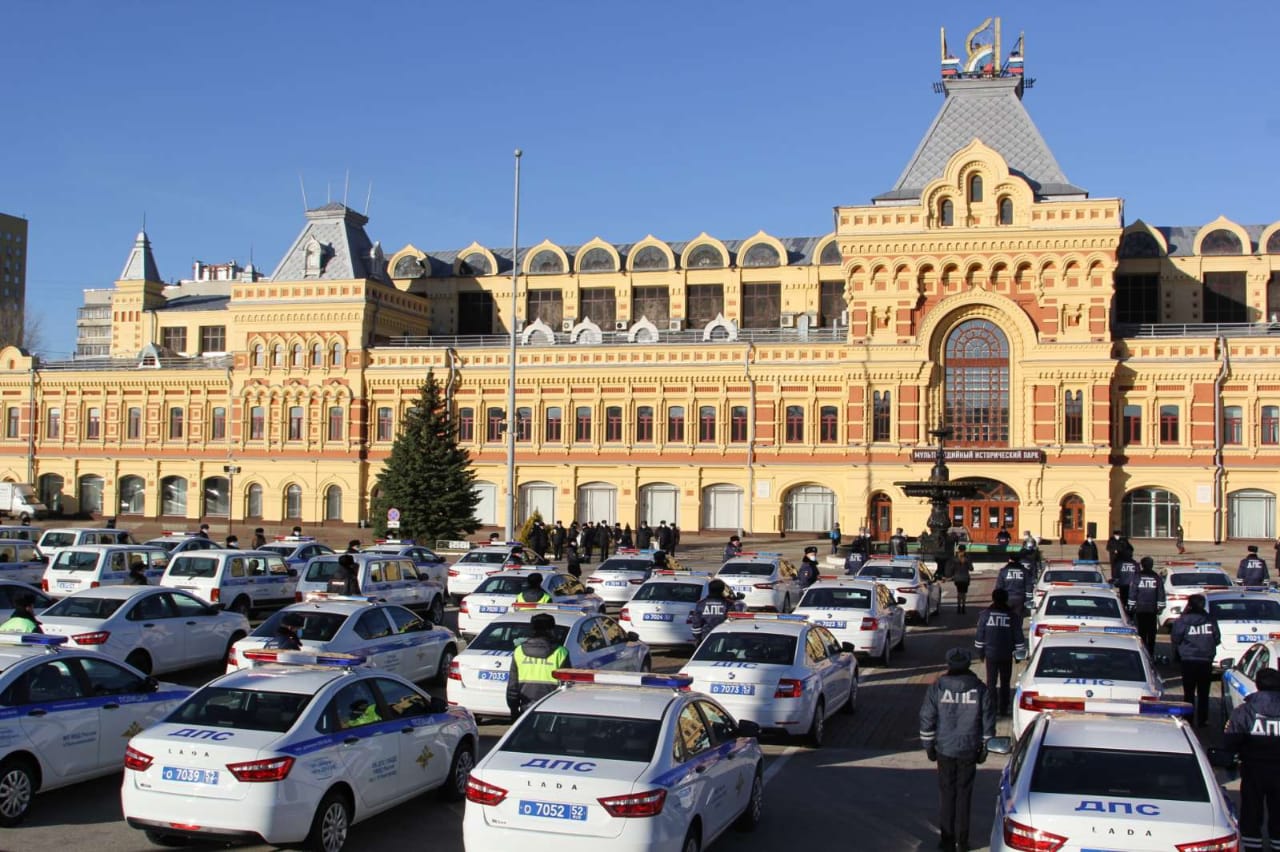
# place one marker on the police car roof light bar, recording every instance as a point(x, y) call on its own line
point(32, 639)
point(611, 678)
point(1208, 564)
point(304, 658)
point(769, 616)
point(760, 553)
point(330, 596)
point(393, 541)
point(177, 533)
point(295, 538)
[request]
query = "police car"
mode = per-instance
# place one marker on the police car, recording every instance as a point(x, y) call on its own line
point(89, 566)
point(430, 565)
point(181, 542)
point(907, 578)
point(1074, 607)
point(1069, 669)
point(766, 581)
point(1063, 573)
point(23, 532)
point(478, 677)
point(474, 565)
point(1244, 616)
point(387, 636)
point(296, 550)
point(384, 576)
point(617, 578)
point(241, 580)
point(662, 608)
point(1134, 779)
point(55, 538)
point(9, 591)
point(1240, 675)
point(21, 562)
point(152, 628)
point(1184, 579)
point(780, 671)
point(293, 752)
point(863, 613)
point(496, 594)
point(66, 716)
point(617, 761)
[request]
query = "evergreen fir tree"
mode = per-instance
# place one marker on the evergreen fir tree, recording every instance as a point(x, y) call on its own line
point(428, 477)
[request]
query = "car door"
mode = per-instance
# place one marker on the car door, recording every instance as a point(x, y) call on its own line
point(60, 725)
point(1246, 674)
point(932, 589)
point(158, 630)
point(420, 649)
point(590, 648)
point(118, 720)
point(709, 784)
point(367, 746)
point(377, 643)
point(206, 634)
point(843, 665)
point(818, 662)
point(622, 654)
point(425, 752)
point(738, 771)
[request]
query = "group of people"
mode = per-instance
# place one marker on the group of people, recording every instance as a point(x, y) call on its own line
point(577, 543)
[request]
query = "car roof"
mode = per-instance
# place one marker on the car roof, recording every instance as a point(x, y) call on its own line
point(12, 655)
point(1238, 592)
point(4, 540)
point(1094, 638)
point(769, 625)
point(1069, 729)
point(273, 677)
point(681, 577)
point(846, 582)
point(107, 548)
point(609, 700)
point(545, 570)
point(83, 529)
point(891, 560)
point(1077, 590)
point(119, 592)
point(770, 558)
point(563, 617)
point(1194, 569)
point(223, 551)
point(334, 606)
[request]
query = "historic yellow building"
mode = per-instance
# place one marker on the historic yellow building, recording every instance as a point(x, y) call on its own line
point(1093, 370)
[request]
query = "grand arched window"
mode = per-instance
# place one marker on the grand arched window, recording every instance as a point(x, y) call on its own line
point(977, 384)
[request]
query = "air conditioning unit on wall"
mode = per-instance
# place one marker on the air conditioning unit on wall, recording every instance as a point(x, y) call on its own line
point(675, 325)
point(788, 320)
point(620, 325)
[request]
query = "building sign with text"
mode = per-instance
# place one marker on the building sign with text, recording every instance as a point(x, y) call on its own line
point(961, 454)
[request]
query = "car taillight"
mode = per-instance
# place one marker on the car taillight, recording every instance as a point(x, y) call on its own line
point(462, 606)
point(232, 659)
point(623, 615)
point(645, 804)
point(1228, 843)
point(297, 597)
point(870, 624)
point(98, 637)
point(789, 688)
point(455, 672)
point(1043, 629)
point(908, 590)
point(453, 573)
point(274, 769)
point(638, 581)
point(484, 794)
point(93, 584)
point(44, 585)
point(137, 760)
point(763, 585)
point(1028, 839)
point(1031, 700)
point(217, 593)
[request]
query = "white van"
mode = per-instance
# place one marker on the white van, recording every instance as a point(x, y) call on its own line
point(390, 579)
point(20, 561)
point(89, 566)
point(240, 580)
point(55, 538)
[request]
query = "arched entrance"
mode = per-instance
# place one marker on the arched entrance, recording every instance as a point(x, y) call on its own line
point(722, 507)
point(1071, 517)
point(995, 505)
point(49, 488)
point(1251, 513)
point(659, 502)
point(1150, 513)
point(538, 497)
point(597, 501)
point(809, 508)
point(880, 516)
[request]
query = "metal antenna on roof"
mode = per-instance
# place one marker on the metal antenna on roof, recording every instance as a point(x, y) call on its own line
point(304, 192)
point(144, 221)
point(328, 192)
point(346, 184)
point(368, 198)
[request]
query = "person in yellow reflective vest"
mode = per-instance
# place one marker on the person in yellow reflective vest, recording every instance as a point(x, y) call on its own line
point(532, 664)
point(23, 619)
point(533, 591)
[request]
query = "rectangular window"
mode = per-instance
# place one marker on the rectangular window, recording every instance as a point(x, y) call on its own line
point(495, 420)
point(295, 423)
point(582, 425)
point(545, 305)
point(644, 425)
point(1270, 424)
point(385, 428)
point(1073, 418)
point(13, 417)
point(554, 431)
point(257, 423)
point(466, 424)
point(828, 425)
point(881, 405)
point(1233, 425)
point(213, 338)
point(761, 305)
point(675, 424)
point(706, 425)
point(335, 423)
point(524, 424)
point(831, 303)
point(1224, 297)
point(1168, 424)
point(794, 424)
point(174, 338)
point(738, 424)
point(175, 423)
point(1273, 298)
point(133, 425)
point(1131, 425)
point(53, 423)
point(705, 302)
point(218, 424)
point(93, 424)
point(1137, 300)
point(652, 302)
point(612, 424)
point(600, 305)
point(475, 313)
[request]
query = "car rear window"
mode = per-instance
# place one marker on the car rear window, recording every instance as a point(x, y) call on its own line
point(572, 735)
point(1244, 609)
point(1199, 578)
point(1101, 663)
point(58, 539)
point(489, 558)
point(672, 592)
point(888, 571)
point(316, 626)
point(838, 598)
point(1062, 575)
point(1095, 607)
point(285, 550)
point(754, 647)
point(1122, 774)
point(167, 543)
point(75, 560)
point(637, 565)
point(321, 570)
point(185, 565)
point(502, 586)
point(83, 607)
point(243, 709)
point(746, 569)
point(505, 636)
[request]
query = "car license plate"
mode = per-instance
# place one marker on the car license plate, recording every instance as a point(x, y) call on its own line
point(658, 616)
point(493, 675)
point(497, 609)
point(742, 589)
point(189, 776)
point(733, 689)
point(1248, 637)
point(614, 584)
point(838, 625)
point(553, 810)
point(67, 584)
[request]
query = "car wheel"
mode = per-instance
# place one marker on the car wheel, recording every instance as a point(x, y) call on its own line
point(159, 838)
point(446, 661)
point(818, 727)
point(25, 519)
point(886, 654)
point(242, 606)
point(140, 660)
point(692, 840)
point(464, 760)
point(646, 665)
point(17, 788)
point(924, 619)
point(235, 637)
point(331, 823)
point(435, 614)
point(750, 817)
point(902, 639)
point(851, 706)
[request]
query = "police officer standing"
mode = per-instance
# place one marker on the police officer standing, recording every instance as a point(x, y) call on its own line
point(1088, 551)
point(533, 591)
point(137, 574)
point(1123, 571)
point(286, 635)
point(959, 571)
point(857, 555)
point(998, 641)
point(709, 612)
point(1253, 732)
point(898, 543)
point(259, 538)
point(1195, 637)
point(344, 580)
point(23, 619)
point(732, 548)
point(956, 720)
point(1146, 597)
point(1016, 581)
point(808, 574)
point(532, 665)
point(1253, 569)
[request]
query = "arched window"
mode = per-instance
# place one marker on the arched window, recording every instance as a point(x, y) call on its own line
point(1139, 244)
point(133, 495)
point(293, 502)
point(977, 384)
point(704, 257)
point(831, 254)
point(596, 260)
point(644, 424)
point(333, 503)
point(761, 254)
point(975, 188)
point(297, 355)
point(1150, 513)
point(613, 424)
point(1006, 211)
point(338, 353)
point(90, 493)
point(277, 355)
point(173, 496)
point(1273, 243)
point(649, 259)
point(675, 423)
point(259, 355)
point(476, 263)
point(317, 355)
point(1220, 241)
point(253, 502)
point(947, 213)
point(546, 262)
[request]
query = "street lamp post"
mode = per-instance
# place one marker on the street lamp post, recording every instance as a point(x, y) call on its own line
point(511, 379)
point(230, 470)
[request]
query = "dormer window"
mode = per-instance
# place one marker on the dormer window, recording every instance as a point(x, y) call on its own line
point(313, 257)
point(975, 189)
point(947, 213)
point(1006, 211)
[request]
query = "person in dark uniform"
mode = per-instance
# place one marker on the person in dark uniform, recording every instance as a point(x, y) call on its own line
point(1253, 569)
point(709, 612)
point(587, 539)
point(573, 561)
point(558, 537)
point(808, 573)
point(666, 536)
point(533, 591)
point(1003, 539)
point(660, 560)
point(203, 531)
point(137, 574)
point(259, 538)
point(1195, 638)
point(286, 635)
point(1118, 548)
point(1123, 571)
point(345, 581)
point(23, 619)
point(1088, 551)
point(353, 546)
point(1017, 582)
point(644, 536)
point(1253, 733)
point(999, 641)
point(532, 665)
point(604, 538)
point(960, 571)
point(1146, 596)
point(956, 720)
point(732, 548)
point(233, 542)
point(1179, 539)
point(628, 538)
point(857, 555)
point(835, 537)
point(898, 543)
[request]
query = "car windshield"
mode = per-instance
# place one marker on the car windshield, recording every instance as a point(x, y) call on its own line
point(1244, 609)
point(185, 565)
point(506, 635)
point(321, 570)
point(1087, 662)
point(1123, 774)
point(75, 560)
point(837, 598)
point(485, 558)
point(754, 647)
point(887, 571)
point(502, 586)
point(285, 550)
point(58, 539)
point(316, 626)
point(1094, 606)
point(746, 569)
point(1072, 575)
point(1199, 578)
point(634, 565)
point(83, 607)
point(244, 709)
point(573, 736)
point(673, 592)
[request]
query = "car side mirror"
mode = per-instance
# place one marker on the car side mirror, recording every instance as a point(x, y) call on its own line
point(292, 572)
point(420, 626)
point(1228, 663)
point(438, 704)
point(848, 648)
point(217, 607)
point(1000, 745)
point(150, 684)
point(633, 636)
point(747, 728)
point(1222, 758)
point(901, 601)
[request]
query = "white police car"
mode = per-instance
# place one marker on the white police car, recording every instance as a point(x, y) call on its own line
point(384, 576)
point(1060, 573)
point(1067, 609)
point(181, 542)
point(89, 566)
point(241, 580)
point(1182, 580)
point(1240, 675)
point(623, 761)
point(430, 565)
point(661, 609)
point(296, 550)
point(617, 578)
point(907, 577)
point(387, 636)
point(766, 581)
point(54, 539)
point(66, 716)
point(9, 591)
point(780, 671)
point(496, 594)
point(152, 628)
point(1136, 780)
point(293, 752)
point(863, 613)
point(474, 565)
point(21, 532)
point(478, 677)
point(21, 562)
point(1069, 669)
point(1244, 616)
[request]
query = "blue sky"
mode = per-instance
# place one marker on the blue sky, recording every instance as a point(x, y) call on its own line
point(663, 117)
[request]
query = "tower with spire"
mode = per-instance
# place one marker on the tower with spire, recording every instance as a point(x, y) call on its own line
point(138, 291)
